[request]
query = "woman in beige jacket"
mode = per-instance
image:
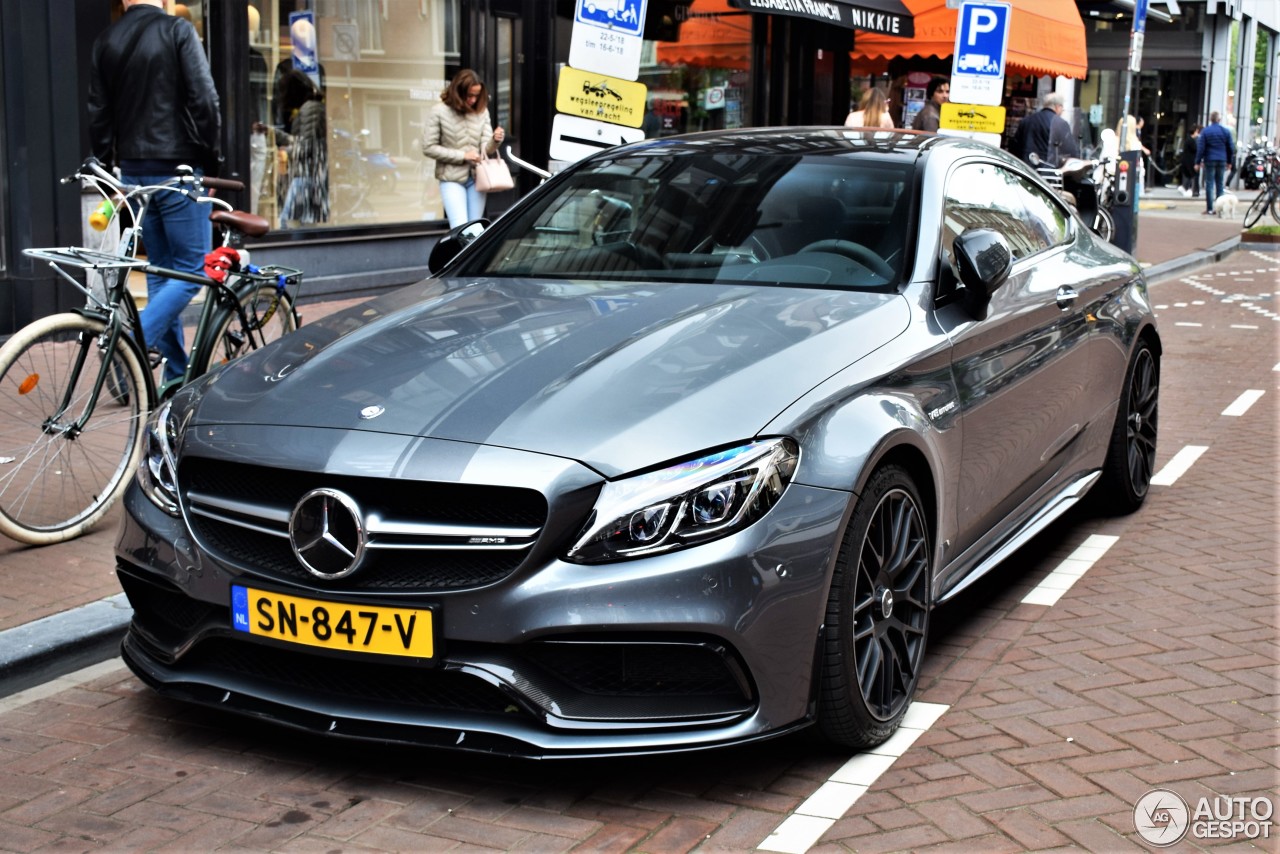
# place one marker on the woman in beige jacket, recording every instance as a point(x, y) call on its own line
point(457, 129)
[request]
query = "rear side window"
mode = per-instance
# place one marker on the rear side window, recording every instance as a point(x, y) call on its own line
point(984, 195)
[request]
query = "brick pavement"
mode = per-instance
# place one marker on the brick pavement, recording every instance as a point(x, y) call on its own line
point(1159, 667)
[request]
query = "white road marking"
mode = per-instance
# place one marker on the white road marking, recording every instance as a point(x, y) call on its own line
point(1071, 570)
point(1242, 403)
point(1178, 466)
point(802, 829)
point(1187, 323)
point(1242, 326)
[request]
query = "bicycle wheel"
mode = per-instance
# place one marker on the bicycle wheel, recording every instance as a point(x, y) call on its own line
point(56, 483)
point(1104, 225)
point(268, 320)
point(1258, 207)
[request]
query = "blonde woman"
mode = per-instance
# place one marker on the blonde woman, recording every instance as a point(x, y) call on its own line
point(872, 112)
point(457, 128)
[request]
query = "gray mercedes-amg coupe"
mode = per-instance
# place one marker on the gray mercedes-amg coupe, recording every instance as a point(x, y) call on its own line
point(681, 451)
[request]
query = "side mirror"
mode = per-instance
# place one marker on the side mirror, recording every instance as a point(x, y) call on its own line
point(455, 241)
point(983, 262)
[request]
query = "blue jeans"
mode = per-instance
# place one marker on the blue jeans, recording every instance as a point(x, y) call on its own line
point(462, 202)
point(176, 234)
point(1214, 171)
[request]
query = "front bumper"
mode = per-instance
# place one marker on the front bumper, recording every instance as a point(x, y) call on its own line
point(700, 648)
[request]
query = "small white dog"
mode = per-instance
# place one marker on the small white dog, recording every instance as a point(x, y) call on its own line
point(1225, 205)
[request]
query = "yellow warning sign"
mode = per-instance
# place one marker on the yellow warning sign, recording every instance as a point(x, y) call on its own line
point(975, 118)
point(605, 99)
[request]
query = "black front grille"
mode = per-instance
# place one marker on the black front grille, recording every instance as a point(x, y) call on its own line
point(390, 569)
point(439, 502)
point(260, 546)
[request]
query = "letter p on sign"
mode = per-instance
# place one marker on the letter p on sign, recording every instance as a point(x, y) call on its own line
point(981, 21)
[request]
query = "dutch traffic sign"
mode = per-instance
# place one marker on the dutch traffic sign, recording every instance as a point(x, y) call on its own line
point(608, 36)
point(573, 138)
point(982, 38)
point(601, 97)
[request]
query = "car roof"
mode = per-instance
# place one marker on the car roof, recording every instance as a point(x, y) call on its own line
point(888, 144)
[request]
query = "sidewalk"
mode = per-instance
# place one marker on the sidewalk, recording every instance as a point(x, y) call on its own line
point(61, 607)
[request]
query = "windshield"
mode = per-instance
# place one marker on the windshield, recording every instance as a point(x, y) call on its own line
point(786, 219)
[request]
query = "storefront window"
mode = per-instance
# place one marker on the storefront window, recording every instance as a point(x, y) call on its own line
point(340, 89)
point(696, 65)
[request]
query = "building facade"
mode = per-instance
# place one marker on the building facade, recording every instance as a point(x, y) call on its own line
point(380, 64)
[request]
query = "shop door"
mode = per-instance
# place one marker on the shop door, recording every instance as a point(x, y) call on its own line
point(502, 61)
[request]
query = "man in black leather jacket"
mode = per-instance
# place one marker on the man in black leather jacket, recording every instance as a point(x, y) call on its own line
point(153, 107)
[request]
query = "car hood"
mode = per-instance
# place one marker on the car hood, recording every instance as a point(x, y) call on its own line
point(618, 376)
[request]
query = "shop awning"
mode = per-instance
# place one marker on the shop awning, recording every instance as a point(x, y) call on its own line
point(1045, 37)
point(877, 16)
point(715, 35)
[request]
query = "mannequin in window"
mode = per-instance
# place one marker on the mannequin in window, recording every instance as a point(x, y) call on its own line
point(301, 131)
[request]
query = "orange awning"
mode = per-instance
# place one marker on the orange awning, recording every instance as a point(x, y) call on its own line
point(714, 36)
point(1045, 37)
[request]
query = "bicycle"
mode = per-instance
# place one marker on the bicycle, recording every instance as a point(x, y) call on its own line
point(76, 388)
point(1268, 197)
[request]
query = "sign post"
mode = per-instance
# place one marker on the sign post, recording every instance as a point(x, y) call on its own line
point(977, 72)
point(597, 91)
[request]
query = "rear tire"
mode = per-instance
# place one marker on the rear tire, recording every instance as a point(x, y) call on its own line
point(56, 484)
point(1126, 475)
point(230, 340)
point(877, 614)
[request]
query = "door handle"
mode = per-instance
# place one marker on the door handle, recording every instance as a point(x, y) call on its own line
point(1066, 297)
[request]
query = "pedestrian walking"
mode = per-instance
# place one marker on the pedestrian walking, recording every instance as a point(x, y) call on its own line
point(937, 93)
point(1190, 177)
point(457, 129)
point(152, 108)
point(1046, 134)
point(1214, 150)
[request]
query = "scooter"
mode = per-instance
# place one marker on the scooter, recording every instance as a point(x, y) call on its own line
point(1256, 163)
point(1076, 183)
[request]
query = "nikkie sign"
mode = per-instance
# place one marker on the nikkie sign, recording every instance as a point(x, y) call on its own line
point(889, 17)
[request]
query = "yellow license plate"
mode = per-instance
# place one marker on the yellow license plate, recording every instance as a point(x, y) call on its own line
point(333, 625)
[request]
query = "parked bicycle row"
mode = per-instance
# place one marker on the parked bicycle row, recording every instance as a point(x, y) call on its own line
point(77, 388)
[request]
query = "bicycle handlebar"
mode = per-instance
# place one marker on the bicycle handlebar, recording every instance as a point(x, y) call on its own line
point(228, 184)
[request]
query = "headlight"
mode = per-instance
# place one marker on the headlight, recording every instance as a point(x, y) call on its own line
point(688, 503)
point(158, 473)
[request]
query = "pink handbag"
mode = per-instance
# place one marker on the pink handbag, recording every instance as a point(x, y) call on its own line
point(493, 176)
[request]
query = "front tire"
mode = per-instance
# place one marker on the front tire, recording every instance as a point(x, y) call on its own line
point(1256, 209)
point(56, 482)
point(877, 614)
point(1126, 475)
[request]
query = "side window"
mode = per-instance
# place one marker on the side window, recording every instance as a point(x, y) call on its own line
point(984, 195)
point(1045, 215)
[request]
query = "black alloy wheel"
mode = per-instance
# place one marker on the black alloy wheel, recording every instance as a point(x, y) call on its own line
point(877, 614)
point(1141, 420)
point(1126, 475)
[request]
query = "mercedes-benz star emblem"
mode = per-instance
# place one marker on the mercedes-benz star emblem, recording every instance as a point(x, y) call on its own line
point(326, 530)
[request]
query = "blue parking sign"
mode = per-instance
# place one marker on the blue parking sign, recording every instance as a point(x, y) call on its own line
point(982, 35)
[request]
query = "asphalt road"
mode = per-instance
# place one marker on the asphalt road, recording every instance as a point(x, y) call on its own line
point(1109, 658)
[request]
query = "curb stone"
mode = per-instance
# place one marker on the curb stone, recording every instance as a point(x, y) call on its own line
point(62, 643)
